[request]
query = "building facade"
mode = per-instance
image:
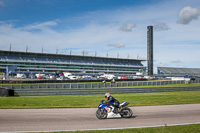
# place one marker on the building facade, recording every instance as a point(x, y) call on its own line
point(43, 62)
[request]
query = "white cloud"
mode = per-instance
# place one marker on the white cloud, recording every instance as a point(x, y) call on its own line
point(176, 61)
point(161, 27)
point(2, 3)
point(127, 27)
point(187, 14)
point(41, 26)
point(117, 45)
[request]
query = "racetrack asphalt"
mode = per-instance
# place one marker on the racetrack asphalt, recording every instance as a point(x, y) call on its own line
point(72, 119)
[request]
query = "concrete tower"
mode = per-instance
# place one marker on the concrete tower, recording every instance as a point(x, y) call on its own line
point(150, 49)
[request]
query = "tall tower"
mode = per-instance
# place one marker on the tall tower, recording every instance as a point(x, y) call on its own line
point(150, 49)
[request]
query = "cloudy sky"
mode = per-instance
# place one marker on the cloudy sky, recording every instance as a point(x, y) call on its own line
point(113, 28)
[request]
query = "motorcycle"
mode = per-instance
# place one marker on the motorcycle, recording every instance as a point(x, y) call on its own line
point(105, 109)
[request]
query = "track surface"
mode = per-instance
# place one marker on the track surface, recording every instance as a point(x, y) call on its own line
point(19, 120)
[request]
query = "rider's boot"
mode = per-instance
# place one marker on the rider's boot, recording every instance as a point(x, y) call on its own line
point(115, 110)
point(119, 110)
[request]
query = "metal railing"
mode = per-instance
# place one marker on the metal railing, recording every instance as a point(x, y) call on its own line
point(96, 85)
point(97, 91)
point(97, 88)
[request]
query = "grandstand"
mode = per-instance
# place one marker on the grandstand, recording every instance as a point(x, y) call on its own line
point(172, 71)
point(43, 62)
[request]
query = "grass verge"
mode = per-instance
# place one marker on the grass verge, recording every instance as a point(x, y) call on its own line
point(87, 101)
point(193, 128)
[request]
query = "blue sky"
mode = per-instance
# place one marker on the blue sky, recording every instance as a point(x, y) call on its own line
point(117, 28)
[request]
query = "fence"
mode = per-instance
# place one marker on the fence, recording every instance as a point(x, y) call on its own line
point(94, 85)
point(60, 91)
point(96, 88)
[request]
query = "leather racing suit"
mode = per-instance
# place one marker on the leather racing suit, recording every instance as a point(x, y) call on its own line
point(115, 103)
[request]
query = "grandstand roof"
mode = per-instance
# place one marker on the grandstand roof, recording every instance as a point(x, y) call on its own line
point(63, 55)
point(178, 71)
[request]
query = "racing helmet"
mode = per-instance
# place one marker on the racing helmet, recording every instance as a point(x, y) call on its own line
point(107, 95)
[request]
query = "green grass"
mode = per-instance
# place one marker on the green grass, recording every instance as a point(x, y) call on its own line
point(193, 128)
point(85, 101)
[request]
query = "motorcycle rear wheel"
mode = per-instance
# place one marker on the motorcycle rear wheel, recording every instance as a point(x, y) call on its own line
point(101, 114)
point(126, 112)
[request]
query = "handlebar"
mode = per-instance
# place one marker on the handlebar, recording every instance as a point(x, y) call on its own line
point(102, 101)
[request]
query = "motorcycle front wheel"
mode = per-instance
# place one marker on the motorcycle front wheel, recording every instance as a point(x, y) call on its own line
point(101, 114)
point(126, 112)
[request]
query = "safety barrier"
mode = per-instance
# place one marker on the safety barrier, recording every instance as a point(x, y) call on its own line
point(96, 88)
point(90, 85)
point(83, 91)
point(6, 92)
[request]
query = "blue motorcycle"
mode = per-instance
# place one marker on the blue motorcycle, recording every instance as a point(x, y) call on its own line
point(104, 109)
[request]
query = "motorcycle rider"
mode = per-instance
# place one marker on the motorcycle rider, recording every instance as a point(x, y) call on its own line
point(112, 99)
